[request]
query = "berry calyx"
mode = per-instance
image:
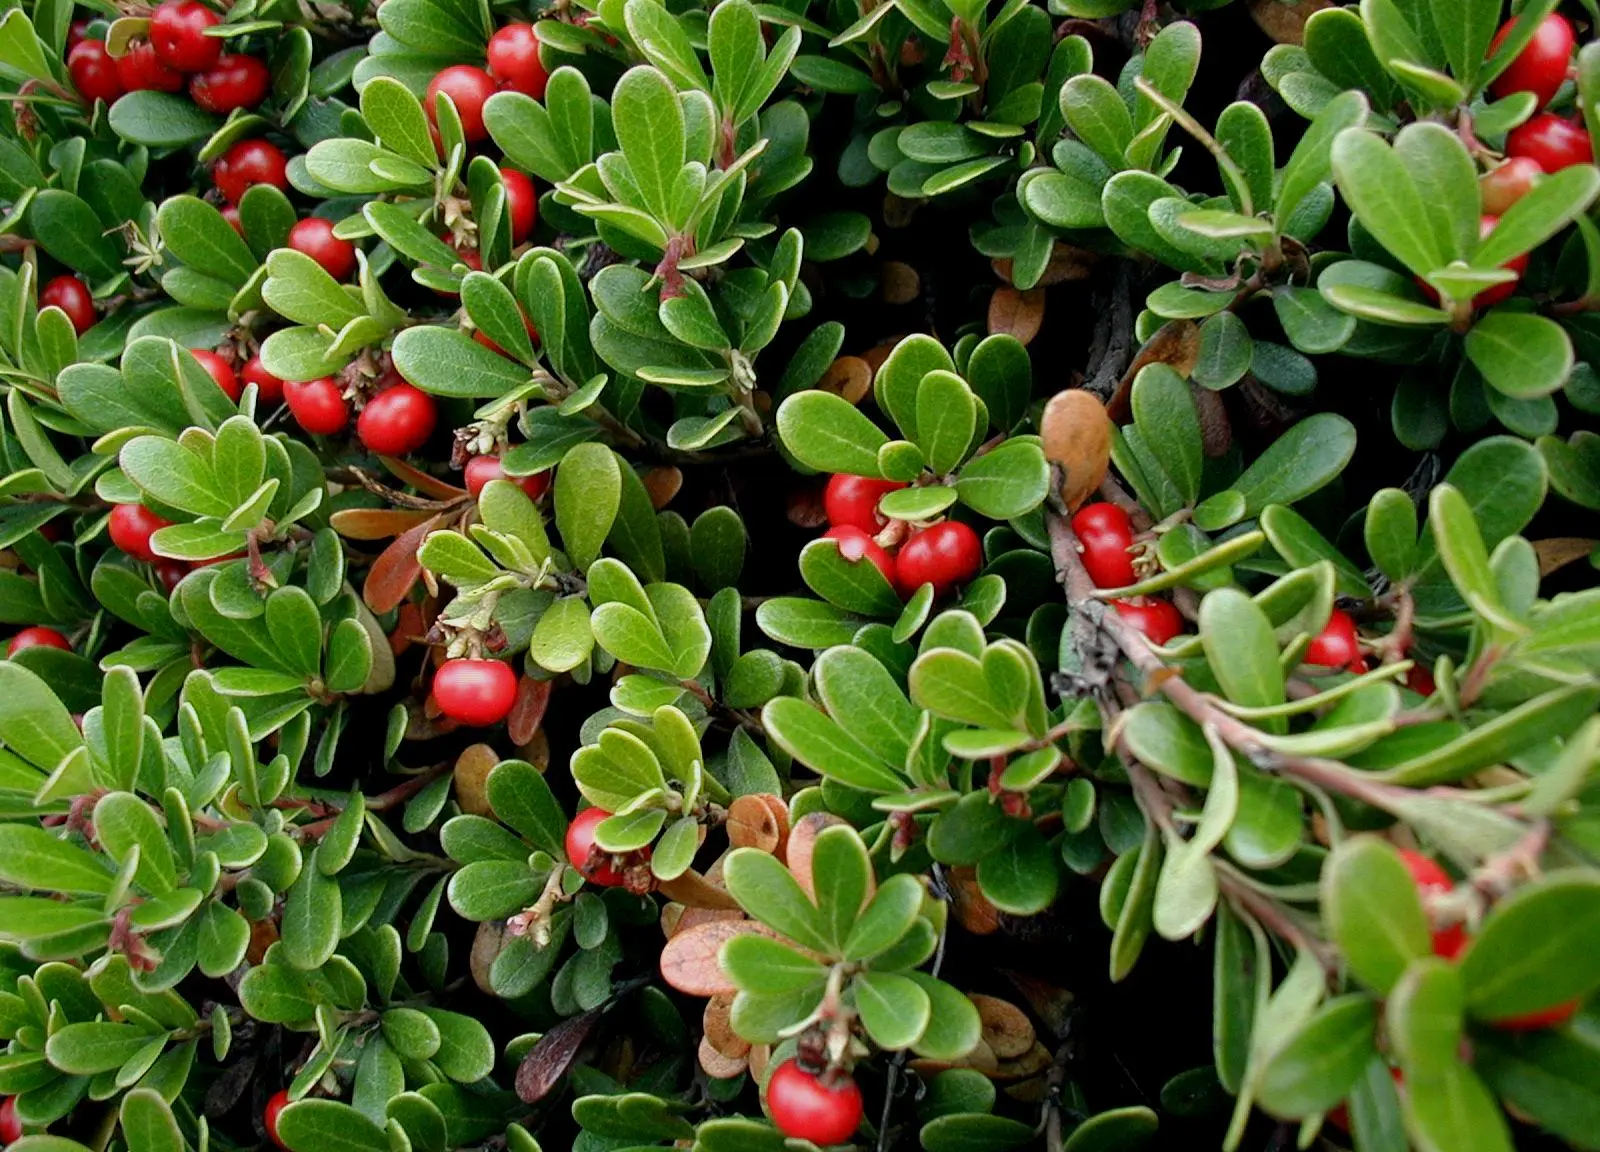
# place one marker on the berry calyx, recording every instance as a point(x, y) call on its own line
point(1541, 67)
point(71, 295)
point(269, 389)
point(514, 60)
point(806, 1107)
point(177, 31)
point(853, 501)
point(278, 1101)
point(10, 1125)
point(477, 693)
point(1503, 186)
point(397, 420)
point(94, 72)
point(522, 204)
point(597, 865)
point(36, 637)
point(314, 237)
point(1157, 620)
point(248, 163)
point(140, 70)
point(1337, 645)
point(947, 554)
point(131, 527)
point(1105, 534)
point(1551, 142)
point(318, 405)
point(482, 469)
point(220, 371)
point(1429, 878)
point(232, 82)
point(468, 87)
point(856, 546)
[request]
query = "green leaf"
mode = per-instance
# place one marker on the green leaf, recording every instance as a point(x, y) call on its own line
point(1377, 185)
point(1521, 355)
point(1538, 948)
point(1547, 1075)
point(894, 1009)
point(768, 891)
point(196, 233)
point(316, 1125)
point(1322, 1061)
point(829, 434)
point(447, 362)
point(67, 228)
point(947, 417)
point(1241, 649)
point(1170, 425)
point(124, 824)
point(588, 492)
point(87, 1049)
point(650, 130)
point(311, 917)
point(1299, 462)
point(1370, 903)
point(31, 857)
point(148, 1124)
point(1006, 483)
point(397, 120)
point(820, 743)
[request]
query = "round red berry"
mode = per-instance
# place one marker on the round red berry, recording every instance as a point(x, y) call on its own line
point(856, 546)
point(140, 70)
point(171, 573)
point(314, 237)
point(397, 420)
point(177, 30)
point(514, 60)
point(318, 406)
point(94, 72)
point(1106, 534)
point(1503, 186)
point(71, 295)
point(221, 371)
point(477, 693)
point(805, 1107)
point(248, 163)
point(945, 555)
point(131, 527)
point(595, 863)
point(1429, 878)
point(1337, 646)
point(77, 33)
point(482, 469)
point(37, 637)
point(10, 1125)
point(1539, 1021)
point(231, 215)
point(1541, 67)
point(1157, 620)
point(522, 204)
point(1551, 142)
point(269, 389)
point(853, 501)
point(232, 82)
point(468, 87)
point(275, 1106)
point(1420, 680)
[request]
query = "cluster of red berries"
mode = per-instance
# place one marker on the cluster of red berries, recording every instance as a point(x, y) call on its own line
point(1105, 543)
point(177, 54)
point(514, 66)
point(945, 554)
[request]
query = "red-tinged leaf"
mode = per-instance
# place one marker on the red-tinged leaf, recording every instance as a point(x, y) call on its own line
point(421, 481)
point(548, 1060)
point(376, 523)
point(690, 962)
point(527, 713)
point(393, 574)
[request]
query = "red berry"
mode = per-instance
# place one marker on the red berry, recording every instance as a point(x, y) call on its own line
point(314, 237)
point(1541, 67)
point(595, 864)
point(77, 33)
point(1157, 620)
point(1502, 187)
point(318, 406)
point(1420, 680)
point(397, 420)
point(10, 1126)
point(221, 371)
point(468, 87)
point(231, 215)
point(514, 60)
point(275, 1105)
point(806, 1108)
point(177, 29)
point(131, 527)
point(36, 637)
point(247, 163)
point(475, 692)
point(1337, 646)
point(140, 70)
point(853, 501)
point(1448, 941)
point(94, 72)
point(855, 546)
point(71, 295)
point(482, 469)
point(1538, 1021)
point(522, 204)
point(171, 573)
point(1551, 142)
point(232, 82)
point(945, 555)
point(1105, 534)
point(269, 389)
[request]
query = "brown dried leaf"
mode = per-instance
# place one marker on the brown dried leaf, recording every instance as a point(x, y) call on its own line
point(486, 944)
point(801, 842)
point(263, 935)
point(718, 1066)
point(1051, 1004)
point(662, 482)
point(689, 960)
point(395, 572)
point(1019, 314)
point(1216, 430)
point(527, 711)
point(848, 377)
point(1067, 265)
point(695, 891)
point(687, 918)
point(973, 909)
point(1076, 436)
point(1030, 1063)
point(803, 506)
point(900, 283)
point(536, 750)
point(718, 1024)
point(751, 825)
point(1286, 22)
point(548, 1060)
point(898, 212)
point(1559, 551)
point(759, 1055)
point(780, 815)
point(878, 353)
point(980, 1058)
point(1006, 1028)
point(471, 779)
point(1176, 343)
point(376, 523)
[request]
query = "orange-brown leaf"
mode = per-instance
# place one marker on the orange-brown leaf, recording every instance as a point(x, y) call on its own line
point(527, 711)
point(421, 481)
point(1176, 344)
point(1076, 435)
point(1016, 313)
point(689, 961)
point(392, 575)
point(376, 523)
